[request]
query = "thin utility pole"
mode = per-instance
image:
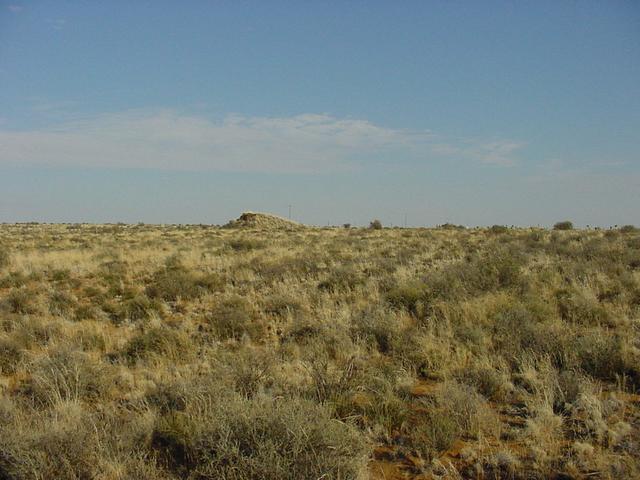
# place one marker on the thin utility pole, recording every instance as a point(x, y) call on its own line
point(289, 212)
point(405, 220)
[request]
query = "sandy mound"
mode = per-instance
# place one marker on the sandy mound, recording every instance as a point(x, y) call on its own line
point(263, 221)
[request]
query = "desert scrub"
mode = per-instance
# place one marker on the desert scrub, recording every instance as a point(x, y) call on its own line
point(411, 296)
point(246, 244)
point(227, 436)
point(20, 300)
point(61, 303)
point(378, 330)
point(65, 375)
point(234, 318)
point(120, 359)
point(157, 341)
point(10, 355)
point(342, 279)
point(175, 281)
point(49, 445)
point(4, 257)
point(433, 433)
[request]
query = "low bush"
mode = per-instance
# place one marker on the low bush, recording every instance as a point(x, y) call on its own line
point(175, 281)
point(411, 296)
point(433, 433)
point(20, 301)
point(4, 257)
point(10, 354)
point(61, 303)
point(234, 318)
point(564, 225)
point(226, 436)
point(157, 341)
point(342, 279)
point(498, 229)
point(65, 375)
point(246, 244)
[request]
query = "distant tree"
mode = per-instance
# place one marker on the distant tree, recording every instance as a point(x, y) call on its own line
point(498, 229)
point(565, 225)
point(375, 225)
point(346, 225)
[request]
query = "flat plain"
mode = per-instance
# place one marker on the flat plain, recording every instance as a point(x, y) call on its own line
point(201, 352)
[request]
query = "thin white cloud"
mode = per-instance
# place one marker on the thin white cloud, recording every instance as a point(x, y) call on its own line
point(171, 141)
point(57, 23)
point(14, 8)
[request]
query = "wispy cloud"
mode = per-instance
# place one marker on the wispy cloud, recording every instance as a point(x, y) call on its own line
point(169, 140)
point(14, 8)
point(57, 23)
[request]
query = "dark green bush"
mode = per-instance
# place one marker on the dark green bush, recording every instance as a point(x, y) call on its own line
point(564, 225)
point(375, 225)
point(498, 229)
point(411, 296)
point(601, 355)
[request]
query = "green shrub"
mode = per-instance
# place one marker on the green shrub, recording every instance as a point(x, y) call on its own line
point(375, 224)
point(564, 225)
point(410, 296)
point(600, 355)
point(628, 229)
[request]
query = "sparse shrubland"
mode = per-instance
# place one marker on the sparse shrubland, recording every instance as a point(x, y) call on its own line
point(254, 351)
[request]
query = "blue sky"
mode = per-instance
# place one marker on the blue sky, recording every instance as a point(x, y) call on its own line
point(185, 112)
